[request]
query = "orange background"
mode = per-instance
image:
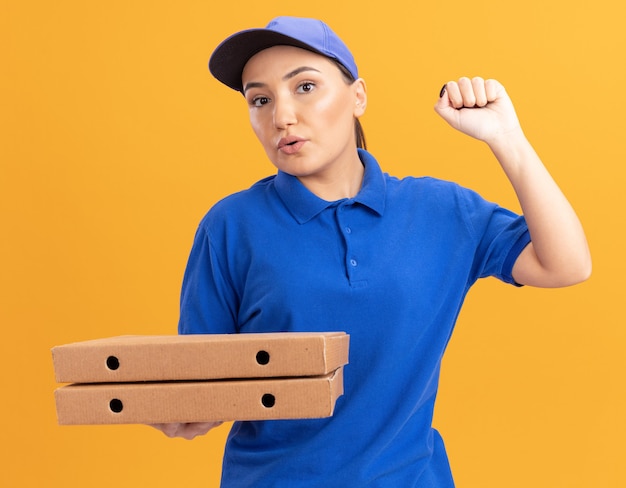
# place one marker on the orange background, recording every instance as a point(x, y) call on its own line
point(115, 140)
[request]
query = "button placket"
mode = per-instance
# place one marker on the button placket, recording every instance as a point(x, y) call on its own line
point(351, 261)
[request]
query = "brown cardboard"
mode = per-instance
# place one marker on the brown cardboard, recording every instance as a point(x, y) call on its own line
point(200, 357)
point(200, 401)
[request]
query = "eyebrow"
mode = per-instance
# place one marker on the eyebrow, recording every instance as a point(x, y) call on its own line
point(291, 74)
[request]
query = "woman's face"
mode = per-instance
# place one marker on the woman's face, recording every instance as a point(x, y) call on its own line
point(302, 110)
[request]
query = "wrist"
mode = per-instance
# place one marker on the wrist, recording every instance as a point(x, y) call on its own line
point(507, 140)
point(513, 151)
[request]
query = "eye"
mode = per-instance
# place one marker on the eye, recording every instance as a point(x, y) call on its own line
point(259, 101)
point(305, 87)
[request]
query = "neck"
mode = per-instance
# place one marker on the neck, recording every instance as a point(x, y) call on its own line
point(344, 182)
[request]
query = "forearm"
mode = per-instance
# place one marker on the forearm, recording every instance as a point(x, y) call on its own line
point(558, 255)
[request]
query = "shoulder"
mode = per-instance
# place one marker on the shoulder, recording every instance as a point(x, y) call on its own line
point(257, 192)
point(438, 203)
point(429, 190)
point(244, 204)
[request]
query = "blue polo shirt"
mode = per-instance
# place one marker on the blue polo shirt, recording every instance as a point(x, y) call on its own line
point(391, 267)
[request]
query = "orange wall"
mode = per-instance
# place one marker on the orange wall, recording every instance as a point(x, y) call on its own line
point(114, 141)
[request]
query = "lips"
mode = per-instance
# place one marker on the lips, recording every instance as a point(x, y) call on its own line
point(290, 144)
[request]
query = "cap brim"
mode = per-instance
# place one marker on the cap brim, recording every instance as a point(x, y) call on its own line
point(230, 57)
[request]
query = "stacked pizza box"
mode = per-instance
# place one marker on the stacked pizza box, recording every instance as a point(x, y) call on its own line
point(199, 378)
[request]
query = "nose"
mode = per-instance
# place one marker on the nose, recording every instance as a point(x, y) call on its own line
point(284, 113)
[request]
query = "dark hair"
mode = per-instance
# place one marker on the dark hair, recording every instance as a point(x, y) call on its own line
point(358, 128)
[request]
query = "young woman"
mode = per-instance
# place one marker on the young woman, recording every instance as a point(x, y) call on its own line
point(332, 243)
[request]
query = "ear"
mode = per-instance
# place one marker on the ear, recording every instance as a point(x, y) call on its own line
point(360, 97)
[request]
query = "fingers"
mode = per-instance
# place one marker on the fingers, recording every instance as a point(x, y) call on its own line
point(480, 93)
point(470, 93)
point(492, 111)
point(492, 88)
point(186, 430)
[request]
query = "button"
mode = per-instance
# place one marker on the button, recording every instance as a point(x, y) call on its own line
point(353, 262)
point(348, 230)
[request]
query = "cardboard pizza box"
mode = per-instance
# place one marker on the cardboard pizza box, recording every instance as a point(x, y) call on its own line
point(200, 357)
point(199, 401)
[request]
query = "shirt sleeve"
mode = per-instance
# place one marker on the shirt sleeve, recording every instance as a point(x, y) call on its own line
point(208, 302)
point(500, 235)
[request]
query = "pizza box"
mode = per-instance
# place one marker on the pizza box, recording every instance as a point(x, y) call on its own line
point(199, 401)
point(200, 357)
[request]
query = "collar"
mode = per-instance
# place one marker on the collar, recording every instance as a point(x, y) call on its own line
point(304, 205)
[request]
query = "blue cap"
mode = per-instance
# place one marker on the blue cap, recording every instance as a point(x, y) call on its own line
point(230, 57)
